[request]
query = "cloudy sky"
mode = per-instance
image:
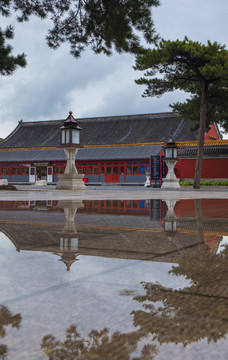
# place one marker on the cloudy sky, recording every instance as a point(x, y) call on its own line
point(53, 83)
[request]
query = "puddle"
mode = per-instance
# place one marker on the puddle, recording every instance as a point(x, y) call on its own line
point(114, 279)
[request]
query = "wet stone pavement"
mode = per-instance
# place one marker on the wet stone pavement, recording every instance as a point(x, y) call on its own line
point(113, 278)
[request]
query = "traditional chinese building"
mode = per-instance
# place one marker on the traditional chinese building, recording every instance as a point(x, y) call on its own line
point(116, 149)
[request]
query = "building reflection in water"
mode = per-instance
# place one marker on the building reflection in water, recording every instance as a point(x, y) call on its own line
point(184, 316)
point(146, 230)
point(185, 235)
point(197, 311)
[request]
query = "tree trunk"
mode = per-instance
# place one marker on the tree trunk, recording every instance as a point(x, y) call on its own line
point(202, 129)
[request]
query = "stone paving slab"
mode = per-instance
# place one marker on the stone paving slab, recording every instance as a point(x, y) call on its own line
point(28, 193)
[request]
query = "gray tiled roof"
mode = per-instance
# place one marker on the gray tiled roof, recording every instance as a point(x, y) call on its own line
point(129, 152)
point(209, 151)
point(32, 155)
point(129, 129)
point(104, 153)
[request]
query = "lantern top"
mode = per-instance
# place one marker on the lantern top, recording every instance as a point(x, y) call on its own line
point(170, 149)
point(171, 143)
point(70, 122)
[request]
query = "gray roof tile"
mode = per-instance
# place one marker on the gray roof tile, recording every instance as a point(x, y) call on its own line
point(130, 129)
point(106, 153)
point(209, 151)
point(32, 155)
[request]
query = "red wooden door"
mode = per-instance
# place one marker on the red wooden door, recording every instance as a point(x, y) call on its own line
point(112, 174)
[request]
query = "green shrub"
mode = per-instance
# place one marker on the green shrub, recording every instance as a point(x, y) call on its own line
point(205, 183)
point(8, 187)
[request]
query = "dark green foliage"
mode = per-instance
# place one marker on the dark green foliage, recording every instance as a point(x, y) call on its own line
point(198, 69)
point(101, 24)
point(7, 187)
point(183, 65)
point(205, 183)
point(217, 107)
point(8, 62)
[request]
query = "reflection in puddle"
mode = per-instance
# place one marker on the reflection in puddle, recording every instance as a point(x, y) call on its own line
point(97, 345)
point(145, 279)
point(7, 319)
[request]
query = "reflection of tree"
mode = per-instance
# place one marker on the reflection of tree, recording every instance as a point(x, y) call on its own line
point(3, 351)
point(193, 313)
point(98, 345)
point(7, 318)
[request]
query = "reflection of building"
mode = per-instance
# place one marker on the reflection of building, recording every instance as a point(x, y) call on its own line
point(213, 220)
point(42, 226)
point(133, 235)
point(116, 149)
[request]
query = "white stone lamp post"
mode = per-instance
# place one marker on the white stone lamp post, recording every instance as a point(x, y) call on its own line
point(147, 183)
point(70, 142)
point(170, 182)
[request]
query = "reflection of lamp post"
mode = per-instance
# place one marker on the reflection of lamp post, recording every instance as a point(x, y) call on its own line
point(147, 183)
point(170, 182)
point(70, 142)
point(170, 221)
point(68, 240)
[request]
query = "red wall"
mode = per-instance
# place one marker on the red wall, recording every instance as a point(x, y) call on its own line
point(211, 134)
point(212, 169)
point(211, 208)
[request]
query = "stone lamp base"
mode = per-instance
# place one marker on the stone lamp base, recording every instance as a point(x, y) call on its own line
point(70, 182)
point(170, 182)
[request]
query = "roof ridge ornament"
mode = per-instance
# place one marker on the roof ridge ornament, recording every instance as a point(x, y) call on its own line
point(171, 141)
point(70, 117)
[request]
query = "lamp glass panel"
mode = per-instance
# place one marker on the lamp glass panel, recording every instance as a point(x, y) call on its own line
point(75, 136)
point(175, 153)
point(74, 244)
point(168, 153)
point(63, 136)
point(168, 226)
point(67, 136)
